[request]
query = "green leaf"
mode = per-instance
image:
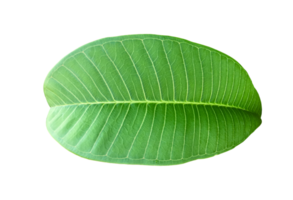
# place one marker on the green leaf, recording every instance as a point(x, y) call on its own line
point(150, 99)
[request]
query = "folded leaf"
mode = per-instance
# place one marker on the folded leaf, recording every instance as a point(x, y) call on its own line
point(150, 99)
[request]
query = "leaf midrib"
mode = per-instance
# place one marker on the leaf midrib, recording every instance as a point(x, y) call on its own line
point(157, 102)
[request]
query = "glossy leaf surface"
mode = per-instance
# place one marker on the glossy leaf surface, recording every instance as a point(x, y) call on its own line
point(150, 99)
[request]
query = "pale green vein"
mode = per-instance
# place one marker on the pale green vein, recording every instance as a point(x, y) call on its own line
point(208, 133)
point(199, 130)
point(136, 94)
point(202, 76)
point(193, 112)
point(90, 78)
point(184, 133)
point(145, 114)
point(243, 91)
point(119, 90)
point(60, 125)
point(95, 143)
point(252, 94)
point(150, 131)
point(151, 86)
point(174, 131)
point(93, 122)
point(154, 69)
point(75, 123)
point(238, 88)
point(80, 82)
point(212, 73)
point(250, 122)
point(236, 116)
point(184, 64)
point(100, 74)
point(248, 96)
point(194, 74)
point(117, 71)
point(51, 102)
point(56, 116)
point(220, 74)
point(180, 91)
point(122, 123)
point(218, 129)
point(139, 77)
point(55, 95)
point(172, 76)
point(164, 123)
point(232, 84)
point(226, 130)
point(226, 82)
point(167, 90)
point(233, 128)
point(93, 53)
point(67, 90)
point(243, 127)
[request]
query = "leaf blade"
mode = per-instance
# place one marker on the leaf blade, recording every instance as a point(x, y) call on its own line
point(206, 94)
